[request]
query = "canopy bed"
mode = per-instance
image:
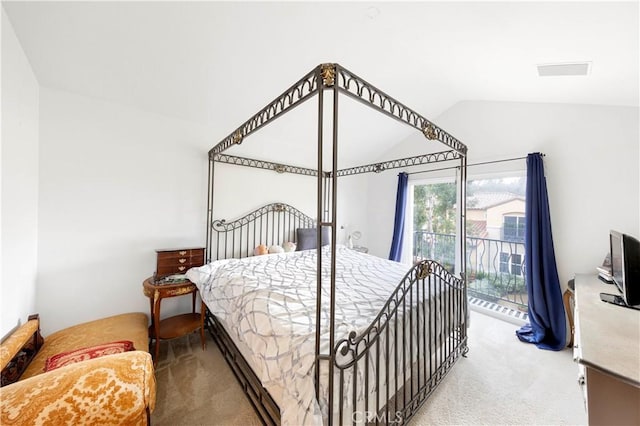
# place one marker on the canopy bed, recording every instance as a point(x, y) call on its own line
point(330, 335)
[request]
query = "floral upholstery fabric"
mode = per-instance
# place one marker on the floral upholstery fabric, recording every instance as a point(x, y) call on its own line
point(131, 326)
point(116, 389)
point(13, 343)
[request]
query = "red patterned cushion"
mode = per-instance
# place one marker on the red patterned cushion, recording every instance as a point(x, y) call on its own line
point(83, 354)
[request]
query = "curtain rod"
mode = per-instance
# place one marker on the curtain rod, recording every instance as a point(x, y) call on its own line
point(474, 164)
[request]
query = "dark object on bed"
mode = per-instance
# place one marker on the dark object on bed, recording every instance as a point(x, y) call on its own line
point(307, 238)
point(436, 337)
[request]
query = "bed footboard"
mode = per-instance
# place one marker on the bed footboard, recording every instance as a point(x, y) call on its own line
point(384, 374)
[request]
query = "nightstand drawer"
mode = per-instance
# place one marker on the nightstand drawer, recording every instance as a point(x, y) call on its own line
point(174, 261)
point(172, 254)
point(163, 271)
point(198, 260)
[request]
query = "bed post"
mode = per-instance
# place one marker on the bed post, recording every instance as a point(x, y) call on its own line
point(209, 206)
point(463, 251)
point(333, 224)
point(319, 214)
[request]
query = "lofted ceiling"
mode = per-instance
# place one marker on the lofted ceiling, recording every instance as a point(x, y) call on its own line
point(218, 63)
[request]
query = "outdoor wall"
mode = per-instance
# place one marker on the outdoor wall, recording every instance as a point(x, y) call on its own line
point(476, 215)
point(592, 158)
point(496, 214)
point(18, 184)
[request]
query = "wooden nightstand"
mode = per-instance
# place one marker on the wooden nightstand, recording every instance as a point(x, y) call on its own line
point(177, 261)
point(178, 325)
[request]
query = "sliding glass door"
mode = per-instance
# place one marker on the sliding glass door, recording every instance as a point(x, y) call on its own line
point(495, 233)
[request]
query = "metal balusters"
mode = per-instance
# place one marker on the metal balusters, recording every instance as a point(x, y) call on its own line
point(387, 357)
point(408, 373)
point(354, 397)
point(366, 380)
point(271, 225)
point(411, 314)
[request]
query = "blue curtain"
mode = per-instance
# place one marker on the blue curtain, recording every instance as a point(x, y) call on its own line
point(398, 224)
point(547, 327)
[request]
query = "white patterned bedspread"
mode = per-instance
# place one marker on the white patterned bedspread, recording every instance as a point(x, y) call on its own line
point(269, 304)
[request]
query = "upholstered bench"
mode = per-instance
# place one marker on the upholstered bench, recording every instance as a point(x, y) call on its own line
point(98, 372)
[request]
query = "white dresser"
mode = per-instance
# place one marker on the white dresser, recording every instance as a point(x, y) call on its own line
point(607, 347)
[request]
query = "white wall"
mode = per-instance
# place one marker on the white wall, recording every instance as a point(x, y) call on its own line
point(592, 167)
point(352, 212)
point(19, 183)
point(116, 183)
point(239, 190)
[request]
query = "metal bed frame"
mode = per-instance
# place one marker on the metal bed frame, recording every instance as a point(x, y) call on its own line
point(419, 336)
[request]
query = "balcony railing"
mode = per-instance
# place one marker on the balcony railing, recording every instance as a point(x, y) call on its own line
point(495, 268)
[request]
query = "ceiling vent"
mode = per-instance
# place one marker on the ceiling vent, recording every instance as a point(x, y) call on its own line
point(572, 68)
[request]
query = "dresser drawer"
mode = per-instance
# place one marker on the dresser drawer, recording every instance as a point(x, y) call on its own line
point(174, 262)
point(178, 261)
point(163, 271)
point(197, 259)
point(172, 254)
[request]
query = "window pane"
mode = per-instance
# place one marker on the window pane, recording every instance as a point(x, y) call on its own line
point(513, 228)
point(504, 262)
point(516, 264)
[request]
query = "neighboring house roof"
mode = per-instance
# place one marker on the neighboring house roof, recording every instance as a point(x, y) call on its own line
point(477, 228)
point(485, 200)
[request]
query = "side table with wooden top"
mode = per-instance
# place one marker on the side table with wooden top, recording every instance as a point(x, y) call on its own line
point(164, 284)
point(177, 325)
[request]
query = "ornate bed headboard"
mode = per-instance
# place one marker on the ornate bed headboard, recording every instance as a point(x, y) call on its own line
point(272, 224)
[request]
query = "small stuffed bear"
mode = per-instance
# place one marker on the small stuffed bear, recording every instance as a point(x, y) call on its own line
point(289, 247)
point(260, 250)
point(275, 249)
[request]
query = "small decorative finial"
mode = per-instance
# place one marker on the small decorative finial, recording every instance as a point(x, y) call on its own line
point(423, 271)
point(237, 137)
point(328, 73)
point(429, 132)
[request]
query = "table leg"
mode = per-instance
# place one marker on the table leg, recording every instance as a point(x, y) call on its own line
point(203, 309)
point(156, 323)
point(153, 324)
point(566, 298)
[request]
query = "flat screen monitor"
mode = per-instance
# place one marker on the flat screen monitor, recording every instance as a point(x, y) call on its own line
point(625, 266)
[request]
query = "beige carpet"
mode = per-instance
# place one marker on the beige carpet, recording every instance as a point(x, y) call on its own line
point(502, 381)
point(196, 387)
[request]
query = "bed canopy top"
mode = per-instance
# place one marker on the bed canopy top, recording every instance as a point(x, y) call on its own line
point(332, 76)
point(335, 79)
